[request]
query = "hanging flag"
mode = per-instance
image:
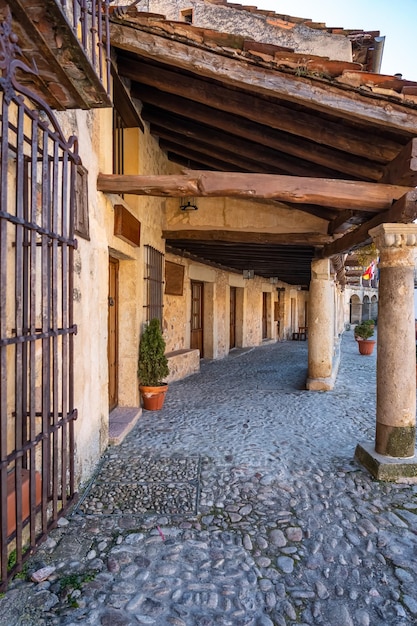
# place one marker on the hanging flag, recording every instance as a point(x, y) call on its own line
point(369, 272)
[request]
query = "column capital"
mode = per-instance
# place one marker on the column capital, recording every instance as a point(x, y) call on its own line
point(396, 244)
point(394, 235)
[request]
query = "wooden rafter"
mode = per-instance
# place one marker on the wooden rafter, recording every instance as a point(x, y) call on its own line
point(259, 79)
point(403, 169)
point(158, 109)
point(269, 112)
point(403, 210)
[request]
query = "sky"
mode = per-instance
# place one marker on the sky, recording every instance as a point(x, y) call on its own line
point(395, 19)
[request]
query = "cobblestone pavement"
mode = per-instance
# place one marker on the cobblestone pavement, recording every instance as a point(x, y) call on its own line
point(238, 504)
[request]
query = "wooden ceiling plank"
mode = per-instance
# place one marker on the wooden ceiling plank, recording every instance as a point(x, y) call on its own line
point(257, 109)
point(403, 169)
point(257, 133)
point(304, 239)
point(337, 194)
point(316, 94)
point(404, 210)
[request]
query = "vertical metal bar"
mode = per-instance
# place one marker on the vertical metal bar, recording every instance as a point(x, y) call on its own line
point(54, 327)
point(25, 307)
point(94, 43)
point(84, 24)
point(46, 316)
point(3, 333)
point(18, 325)
point(71, 325)
point(64, 314)
point(33, 274)
point(108, 59)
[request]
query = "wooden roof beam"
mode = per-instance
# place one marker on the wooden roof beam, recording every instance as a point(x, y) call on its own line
point(260, 79)
point(403, 210)
point(156, 103)
point(269, 112)
point(254, 157)
point(403, 169)
point(289, 239)
point(344, 221)
point(336, 194)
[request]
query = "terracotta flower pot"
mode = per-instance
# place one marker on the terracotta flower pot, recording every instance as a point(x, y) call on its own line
point(153, 397)
point(366, 346)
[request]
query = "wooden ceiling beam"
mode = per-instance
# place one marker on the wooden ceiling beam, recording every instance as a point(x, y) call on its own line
point(234, 161)
point(157, 102)
point(289, 239)
point(344, 221)
point(258, 78)
point(336, 194)
point(237, 152)
point(403, 169)
point(187, 158)
point(403, 210)
point(269, 112)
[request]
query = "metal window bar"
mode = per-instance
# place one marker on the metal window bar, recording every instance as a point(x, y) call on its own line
point(37, 413)
point(89, 20)
point(118, 143)
point(154, 284)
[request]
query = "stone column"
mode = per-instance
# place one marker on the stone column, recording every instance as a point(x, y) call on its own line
point(321, 328)
point(394, 453)
point(396, 364)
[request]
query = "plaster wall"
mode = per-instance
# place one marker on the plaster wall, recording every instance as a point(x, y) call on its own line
point(268, 29)
point(226, 213)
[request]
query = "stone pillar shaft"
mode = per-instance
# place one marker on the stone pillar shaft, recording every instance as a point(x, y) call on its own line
point(396, 356)
point(320, 327)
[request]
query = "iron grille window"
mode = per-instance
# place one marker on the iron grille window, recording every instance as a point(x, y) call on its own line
point(154, 283)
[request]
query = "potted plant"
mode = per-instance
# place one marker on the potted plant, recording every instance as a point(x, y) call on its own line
point(363, 333)
point(152, 367)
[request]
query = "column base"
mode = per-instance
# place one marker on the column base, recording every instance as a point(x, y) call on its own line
point(320, 384)
point(327, 383)
point(387, 468)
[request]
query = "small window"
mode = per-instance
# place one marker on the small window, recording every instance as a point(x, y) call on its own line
point(187, 16)
point(154, 283)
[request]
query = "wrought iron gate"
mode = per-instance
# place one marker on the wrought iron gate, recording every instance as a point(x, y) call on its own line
point(38, 177)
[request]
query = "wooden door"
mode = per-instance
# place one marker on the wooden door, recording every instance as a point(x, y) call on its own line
point(197, 329)
point(113, 334)
point(264, 315)
point(232, 333)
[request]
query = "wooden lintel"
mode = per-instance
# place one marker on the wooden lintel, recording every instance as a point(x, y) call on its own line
point(402, 211)
point(306, 239)
point(403, 169)
point(338, 194)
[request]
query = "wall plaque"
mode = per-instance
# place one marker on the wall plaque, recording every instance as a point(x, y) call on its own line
point(174, 278)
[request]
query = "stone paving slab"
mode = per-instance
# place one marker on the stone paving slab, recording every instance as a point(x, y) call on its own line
point(287, 530)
